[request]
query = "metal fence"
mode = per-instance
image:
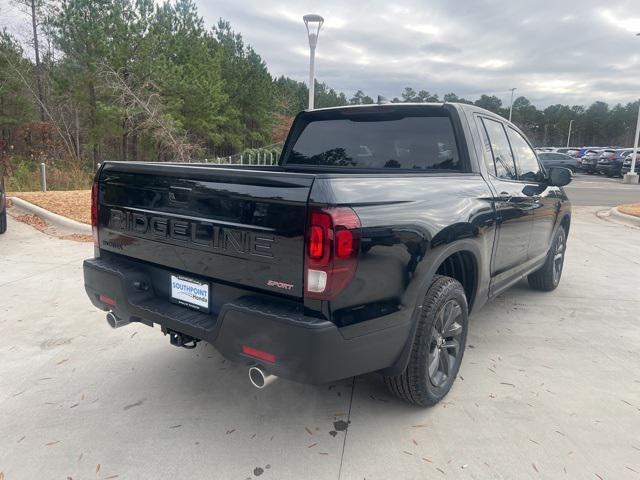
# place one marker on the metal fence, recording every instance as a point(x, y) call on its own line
point(267, 155)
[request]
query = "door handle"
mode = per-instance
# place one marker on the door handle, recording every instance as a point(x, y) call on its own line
point(504, 197)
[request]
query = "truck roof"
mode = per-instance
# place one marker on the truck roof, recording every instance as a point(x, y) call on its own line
point(381, 105)
point(464, 106)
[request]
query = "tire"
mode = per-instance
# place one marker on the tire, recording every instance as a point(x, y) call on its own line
point(547, 278)
point(442, 327)
point(3, 221)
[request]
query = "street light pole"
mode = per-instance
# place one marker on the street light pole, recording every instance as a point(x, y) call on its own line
point(632, 176)
point(569, 136)
point(313, 24)
point(511, 107)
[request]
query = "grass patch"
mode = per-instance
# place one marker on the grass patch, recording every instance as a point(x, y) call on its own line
point(23, 175)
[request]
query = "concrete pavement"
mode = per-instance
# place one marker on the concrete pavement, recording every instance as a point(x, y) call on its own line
point(549, 387)
point(586, 190)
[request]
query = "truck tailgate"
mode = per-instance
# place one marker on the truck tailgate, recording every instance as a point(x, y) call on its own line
point(243, 227)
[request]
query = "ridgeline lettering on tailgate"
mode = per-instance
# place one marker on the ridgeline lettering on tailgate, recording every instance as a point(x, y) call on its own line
point(198, 233)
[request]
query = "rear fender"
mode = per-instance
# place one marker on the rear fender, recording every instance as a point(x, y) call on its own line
point(433, 262)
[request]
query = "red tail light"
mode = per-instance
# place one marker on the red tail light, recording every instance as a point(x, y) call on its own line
point(333, 243)
point(94, 213)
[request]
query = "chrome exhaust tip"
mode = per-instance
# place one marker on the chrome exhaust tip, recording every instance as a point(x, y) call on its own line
point(259, 378)
point(115, 322)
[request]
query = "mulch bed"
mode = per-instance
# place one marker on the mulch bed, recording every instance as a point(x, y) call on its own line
point(74, 204)
point(632, 209)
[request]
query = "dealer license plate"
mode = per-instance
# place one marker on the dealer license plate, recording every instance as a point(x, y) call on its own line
point(190, 293)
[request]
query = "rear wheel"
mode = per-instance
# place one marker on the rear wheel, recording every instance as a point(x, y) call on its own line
point(438, 345)
point(547, 278)
point(3, 221)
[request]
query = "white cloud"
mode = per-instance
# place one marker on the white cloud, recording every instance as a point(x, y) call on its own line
point(423, 28)
point(493, 63)
point(630, 24)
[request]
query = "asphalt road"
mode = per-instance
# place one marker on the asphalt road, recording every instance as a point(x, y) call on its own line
point(549, 387)
point(599, 190)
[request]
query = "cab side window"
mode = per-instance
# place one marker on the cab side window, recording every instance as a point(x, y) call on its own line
point(487, 154)
point(502, 156)
point(526, 160)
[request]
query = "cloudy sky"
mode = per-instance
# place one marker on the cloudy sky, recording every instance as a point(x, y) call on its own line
point(567, 51)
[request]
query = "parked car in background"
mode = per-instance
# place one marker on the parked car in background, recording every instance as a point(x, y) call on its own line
point(611, 165)
point(573, 152)
point(3, 209)
point(583, 150)
point(626, 164)
point(555, 159)
point(589, 162)
point(610, 162)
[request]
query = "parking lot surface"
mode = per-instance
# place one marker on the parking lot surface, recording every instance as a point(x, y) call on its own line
point(549, 387)
point(586, 190)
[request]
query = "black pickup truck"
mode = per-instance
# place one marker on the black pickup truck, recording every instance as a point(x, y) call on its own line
point(363, 250)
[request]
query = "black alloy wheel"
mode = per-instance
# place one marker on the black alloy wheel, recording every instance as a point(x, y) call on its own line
point(444, 348)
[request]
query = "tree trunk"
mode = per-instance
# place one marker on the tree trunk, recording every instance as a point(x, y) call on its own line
point(93, 122)
point(36, 48)
point(125, 131)
point(125, 140)
point(77, 132)
point(134, 146)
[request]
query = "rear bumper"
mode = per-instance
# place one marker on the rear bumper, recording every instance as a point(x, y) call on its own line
point(306, 349)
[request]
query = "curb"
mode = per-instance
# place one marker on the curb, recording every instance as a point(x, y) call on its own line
point(624, 217)
point(53, 218)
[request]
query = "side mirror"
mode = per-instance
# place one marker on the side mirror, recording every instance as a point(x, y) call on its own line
point(559, 176)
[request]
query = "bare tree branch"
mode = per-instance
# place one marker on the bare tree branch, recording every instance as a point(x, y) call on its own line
point(144, 110)
point(64, 136)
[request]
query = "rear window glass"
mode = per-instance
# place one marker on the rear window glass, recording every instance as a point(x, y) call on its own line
point(379, 141)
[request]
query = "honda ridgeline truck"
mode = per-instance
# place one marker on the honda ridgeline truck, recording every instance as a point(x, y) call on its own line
point(364, 250)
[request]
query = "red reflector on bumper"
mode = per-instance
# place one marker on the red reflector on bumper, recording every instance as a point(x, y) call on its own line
point(107, 300)
point(259, 354)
